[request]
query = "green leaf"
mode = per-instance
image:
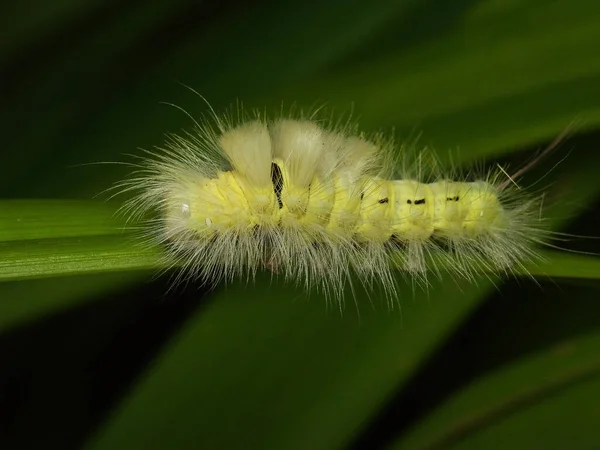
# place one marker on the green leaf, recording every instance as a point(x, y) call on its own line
point(556, 264)
point(43, 241)
point(60, 237)
point(45, 238)
point(529, 404)
point(245, 362)
point(54, 257)
point(44, 219)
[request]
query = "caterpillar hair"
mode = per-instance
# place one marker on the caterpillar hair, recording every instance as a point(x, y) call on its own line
point(324, 206)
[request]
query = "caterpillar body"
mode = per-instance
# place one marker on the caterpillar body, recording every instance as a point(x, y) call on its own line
point(322, 205)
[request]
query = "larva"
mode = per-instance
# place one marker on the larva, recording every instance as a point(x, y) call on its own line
point(321, 205)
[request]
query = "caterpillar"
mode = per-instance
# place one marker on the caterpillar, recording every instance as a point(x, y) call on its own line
point(323, 205)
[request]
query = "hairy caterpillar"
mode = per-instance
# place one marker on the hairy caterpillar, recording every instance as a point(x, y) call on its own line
point(321, 205)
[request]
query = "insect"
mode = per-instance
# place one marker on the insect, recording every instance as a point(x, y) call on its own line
point(324, 206)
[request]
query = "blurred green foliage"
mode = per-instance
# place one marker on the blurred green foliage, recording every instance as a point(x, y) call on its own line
point(117, 361)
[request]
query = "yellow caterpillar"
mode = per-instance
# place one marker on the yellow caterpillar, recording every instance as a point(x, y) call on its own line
point(321, 205)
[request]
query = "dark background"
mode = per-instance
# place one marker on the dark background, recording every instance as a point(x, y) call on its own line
point(111, 361)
